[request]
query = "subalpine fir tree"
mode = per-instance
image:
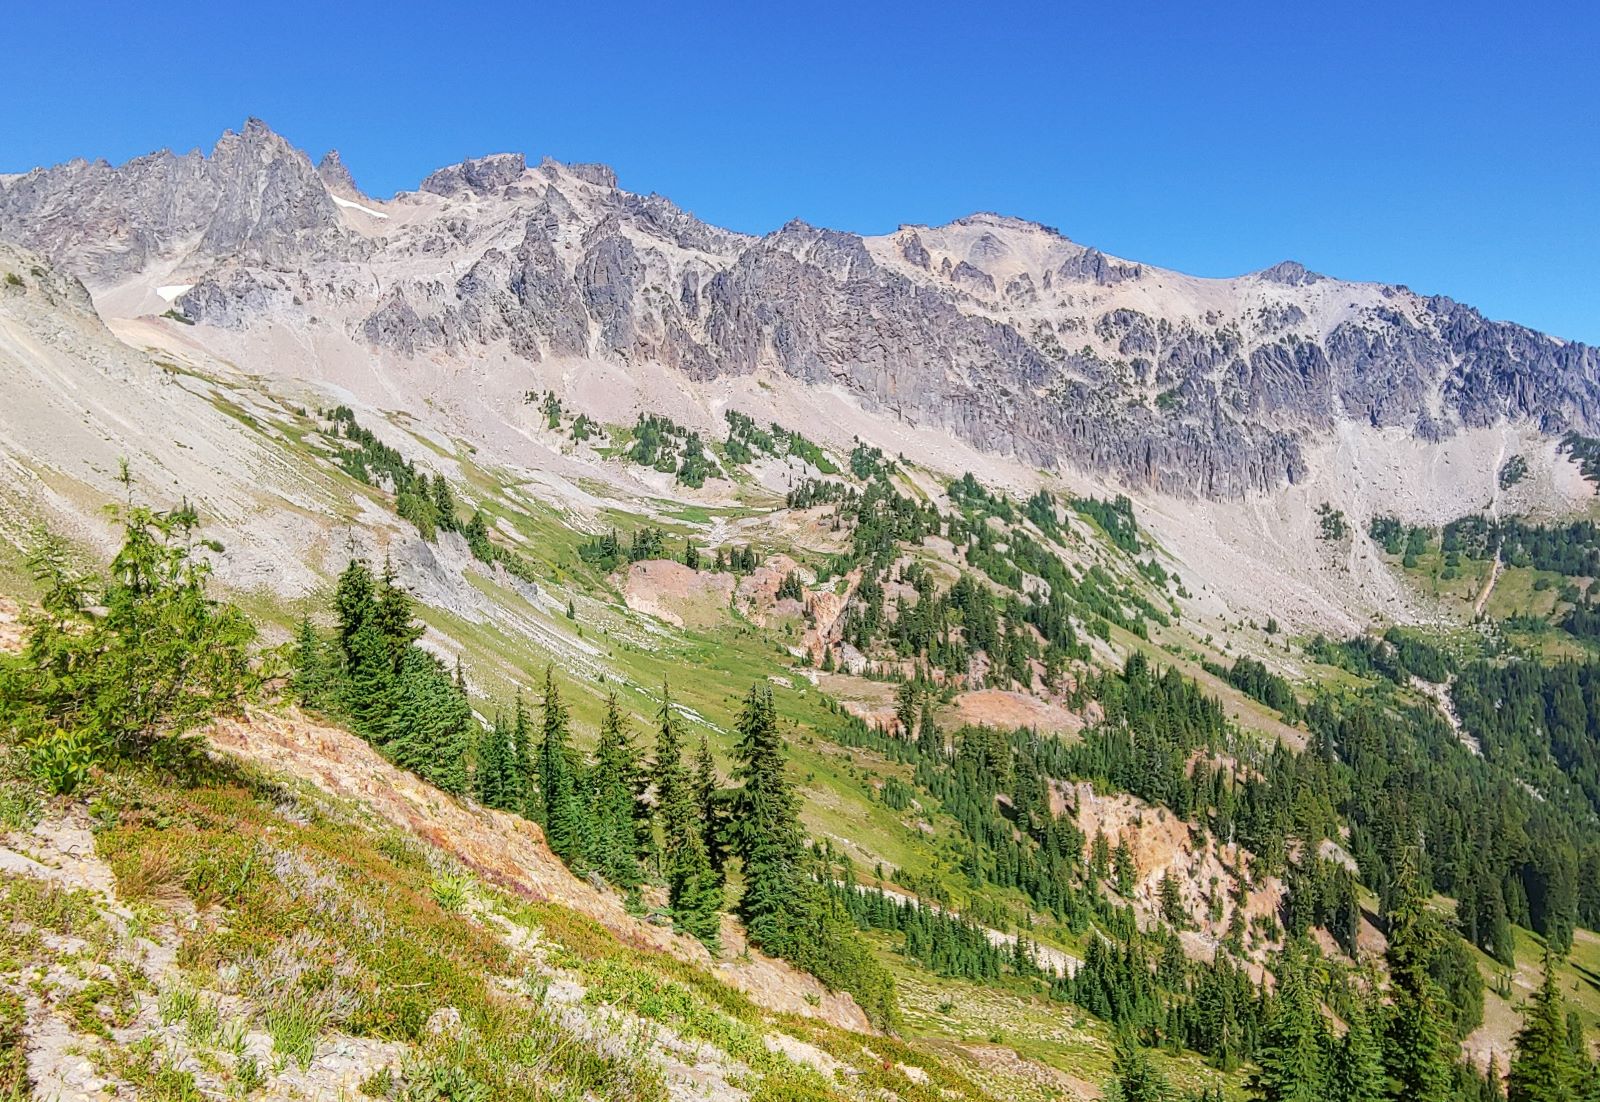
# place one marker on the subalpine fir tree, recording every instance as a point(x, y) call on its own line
point(523, 769)
point(928, 740)
point(444, 505)
point(765, 825)
point(1543, 1067)
point(905, 709)
point(713, 814)
point(1135, 1078)
point(1123, 864)
point(1355, 1072)
point(1416, 1051)
point(561, 811)
point(613, 791)
point(428, 733)
point(489, 777)
point(1494, 1086)
point(353, 603)
point(1100, 856)
point(368, 691)
point(311, 679)
point(1292, 1052)
point(392, 613)
point(692, 889)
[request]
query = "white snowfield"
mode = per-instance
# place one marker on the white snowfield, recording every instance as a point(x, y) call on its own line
point(171, 291)
point(351, 204)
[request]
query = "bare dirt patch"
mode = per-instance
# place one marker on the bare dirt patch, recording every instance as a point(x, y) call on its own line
point(673, 592)
point(1007, 709)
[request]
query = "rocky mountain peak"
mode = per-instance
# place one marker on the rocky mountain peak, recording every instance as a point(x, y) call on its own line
point(478, 175)
point(335, 175)
point(1290, 273)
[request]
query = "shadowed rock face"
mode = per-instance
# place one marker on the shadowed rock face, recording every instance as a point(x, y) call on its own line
point(1003, 332)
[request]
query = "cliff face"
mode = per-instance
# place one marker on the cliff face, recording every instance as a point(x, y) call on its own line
point(1003, 332)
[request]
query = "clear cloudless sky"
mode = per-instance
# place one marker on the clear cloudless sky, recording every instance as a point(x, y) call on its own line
point(1453, 147)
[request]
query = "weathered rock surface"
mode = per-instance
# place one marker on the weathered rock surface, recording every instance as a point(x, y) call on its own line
point(1003, 332)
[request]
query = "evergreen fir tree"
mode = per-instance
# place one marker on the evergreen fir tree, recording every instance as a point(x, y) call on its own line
point(428, 730)
point(392, 613)
point(522, 769)
point(311, 678)
point(353, 604)
point(765, 825)
point(713, 816)
point(444, 505)
point(369, 690)
point(1356, 1073)
point(613, 803)
point(1126, 870)
point(489, 776)
point(1543, 1068)
point(905, 709)
point(1493, 1085)
point(1292, 1052)
point(1135, 1078)
point(1100, 855)
point(1416, 1051)
point(561, 810)
point(929, 743)
point(692, 889)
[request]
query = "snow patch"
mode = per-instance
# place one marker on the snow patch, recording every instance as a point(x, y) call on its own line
point(350, 204)
point(171, 291)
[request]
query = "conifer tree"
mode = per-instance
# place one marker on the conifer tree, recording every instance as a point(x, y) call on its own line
point(1126, 870)
point(692, 889)
point(1100, 855)
point(613, 803)
point(1416, 1051)
point(311, 678)
point(523, 770)
point(353, 603)
point(489, 778)
point(1543, 1068)
point(1135, 1078)
point(765, 824)
point(905, 709)
point(428, 730)
point(1292, 1052)
point(1493, 1085)
point(713, 816)
point(392, 613)
point(1356, 1070)
point(444, 505)
point(369, 689)
point(928, 740)
point(561, 810)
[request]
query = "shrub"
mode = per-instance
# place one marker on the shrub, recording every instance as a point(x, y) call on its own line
point(133, 660)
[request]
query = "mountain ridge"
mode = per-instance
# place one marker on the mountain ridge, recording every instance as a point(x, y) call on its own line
point(1006, 333)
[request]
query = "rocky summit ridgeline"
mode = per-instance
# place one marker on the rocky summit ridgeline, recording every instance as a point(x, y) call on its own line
point(1003, 332)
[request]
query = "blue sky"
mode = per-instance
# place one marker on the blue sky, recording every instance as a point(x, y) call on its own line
point(1453, 147)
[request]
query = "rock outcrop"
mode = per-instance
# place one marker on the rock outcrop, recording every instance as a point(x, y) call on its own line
point(1002, 332)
